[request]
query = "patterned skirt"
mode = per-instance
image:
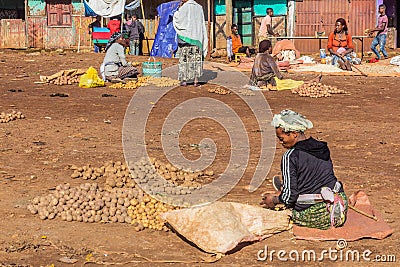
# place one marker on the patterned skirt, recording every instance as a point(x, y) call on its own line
point(124, 72)
point(190, 63)
point(317, 216)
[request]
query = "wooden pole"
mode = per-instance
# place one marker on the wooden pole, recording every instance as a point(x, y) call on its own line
point(229, 12)
point(26, 24)
point(80, 29)
point(209, 25)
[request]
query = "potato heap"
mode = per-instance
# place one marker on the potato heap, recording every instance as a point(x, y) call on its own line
point(246, 92)
point(179, 176)
point(64, 77)
point(141, 81)
point(145, 173)
point(163, 81)
point(219, 90)
point(89, 203)
point(146, 214)
point(7, 117)
point(85, 203)
point(148, 178)
point(317, 90)
point(114, 174)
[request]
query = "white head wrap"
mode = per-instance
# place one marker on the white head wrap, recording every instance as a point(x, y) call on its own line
point(291, 121)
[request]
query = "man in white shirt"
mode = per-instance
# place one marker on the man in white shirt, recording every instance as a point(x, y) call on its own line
point(266, 26)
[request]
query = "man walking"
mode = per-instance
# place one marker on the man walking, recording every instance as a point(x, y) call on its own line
point(381, 29)
point(266, 26)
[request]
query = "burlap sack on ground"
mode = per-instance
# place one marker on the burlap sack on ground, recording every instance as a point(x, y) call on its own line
point(219, 227)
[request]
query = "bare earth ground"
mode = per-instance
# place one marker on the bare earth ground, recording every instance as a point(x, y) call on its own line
point(362, 130)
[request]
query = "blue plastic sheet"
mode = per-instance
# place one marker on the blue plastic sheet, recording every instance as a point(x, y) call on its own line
point(166, 41)
point(88, 11)
point(133, 5)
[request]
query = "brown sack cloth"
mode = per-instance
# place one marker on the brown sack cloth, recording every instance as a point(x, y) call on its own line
point(284, 45)
point(357, 226)
point(220, 226)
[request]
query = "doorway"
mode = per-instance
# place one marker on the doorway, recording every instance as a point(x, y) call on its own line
point(242, 16)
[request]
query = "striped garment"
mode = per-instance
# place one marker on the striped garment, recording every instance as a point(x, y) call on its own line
point(285, 196)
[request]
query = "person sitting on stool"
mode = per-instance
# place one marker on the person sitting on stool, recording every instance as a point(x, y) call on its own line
point(237, 46)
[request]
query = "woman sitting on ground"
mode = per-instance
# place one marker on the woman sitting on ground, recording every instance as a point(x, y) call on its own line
point(265, 68)
point(309, 183)
point(340, 45)
point(116, 68)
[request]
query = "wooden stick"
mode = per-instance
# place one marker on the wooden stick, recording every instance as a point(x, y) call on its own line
point(351, 63)
point(363, 73)
point(363, 213)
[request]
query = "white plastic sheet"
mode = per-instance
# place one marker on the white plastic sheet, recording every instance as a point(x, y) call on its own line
point(107, 8)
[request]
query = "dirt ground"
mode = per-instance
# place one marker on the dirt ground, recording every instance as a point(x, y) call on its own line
point(362, 129)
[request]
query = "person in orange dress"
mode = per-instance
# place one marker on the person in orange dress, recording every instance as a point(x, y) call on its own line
point(237, 46)
point(340, 45)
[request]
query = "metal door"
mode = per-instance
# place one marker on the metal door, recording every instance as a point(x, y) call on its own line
point(242, 16)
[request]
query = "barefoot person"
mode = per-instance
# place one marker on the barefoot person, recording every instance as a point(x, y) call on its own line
point(309, 186)
point(340, 45)
point(190, 27)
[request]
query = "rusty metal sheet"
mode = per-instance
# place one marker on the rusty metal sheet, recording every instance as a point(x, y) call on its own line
point(317, 15)
point(59, 37)
point(12, 33)
point(80, 30)
point(36, 31)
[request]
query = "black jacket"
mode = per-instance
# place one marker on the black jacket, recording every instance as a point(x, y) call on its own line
point(306, 168)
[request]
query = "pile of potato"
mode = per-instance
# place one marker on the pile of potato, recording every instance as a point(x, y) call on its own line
point(246, 92)
point(219, 90)
point(146, 214)
point(163, 81)
point(64, 77)
point(85, 203)
point(117, 195)
point(7, 117)
point(115, 174)
point(141, 81)
point(179, 176)
point(317, 90)
point(90, 203)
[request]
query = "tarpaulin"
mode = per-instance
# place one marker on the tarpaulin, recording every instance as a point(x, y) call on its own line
point(166, 40)
point(107, 8)
point(88, 11)
point(133, 5)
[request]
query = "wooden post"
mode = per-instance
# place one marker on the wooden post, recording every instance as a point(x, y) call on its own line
point(80, 28)
point(209, 25)
point(229, 12)
point(26, 24)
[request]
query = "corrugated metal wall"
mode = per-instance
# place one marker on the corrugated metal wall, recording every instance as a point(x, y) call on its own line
point(320, 15)
point(12, 32)
point(36, 31)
